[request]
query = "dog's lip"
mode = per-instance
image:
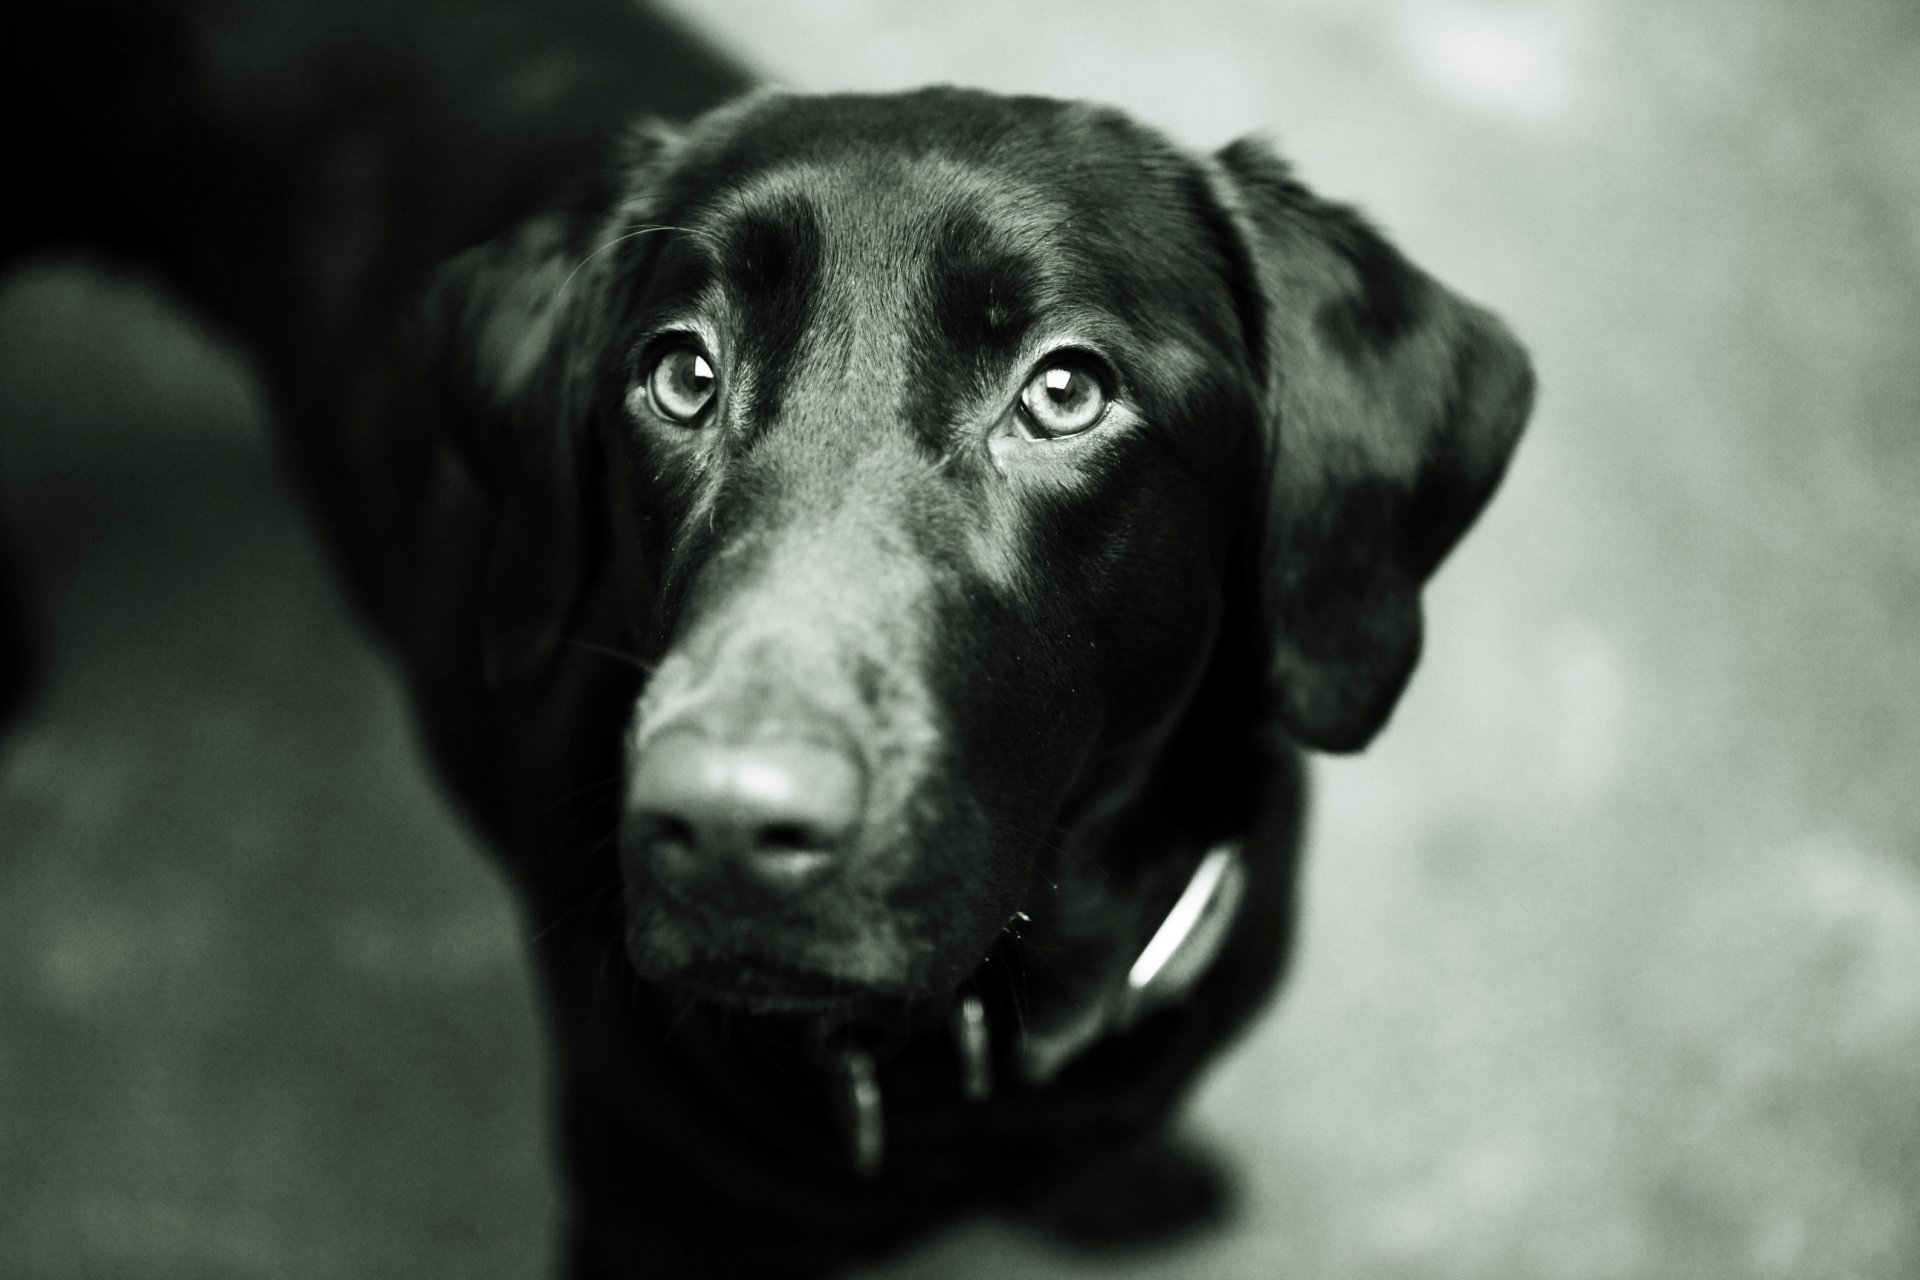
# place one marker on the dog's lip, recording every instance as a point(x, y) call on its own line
point(778, 986)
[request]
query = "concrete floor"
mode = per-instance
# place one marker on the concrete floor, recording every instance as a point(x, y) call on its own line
point(1612, 949)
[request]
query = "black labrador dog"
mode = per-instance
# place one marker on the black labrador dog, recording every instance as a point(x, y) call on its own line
point(868, 563)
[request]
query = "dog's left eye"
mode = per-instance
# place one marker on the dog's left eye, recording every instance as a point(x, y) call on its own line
point(1064, 398)
point(680, 384)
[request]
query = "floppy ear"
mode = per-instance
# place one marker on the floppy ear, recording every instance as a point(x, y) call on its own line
point(1391, 407)
point(505, 339)
point(522, 329)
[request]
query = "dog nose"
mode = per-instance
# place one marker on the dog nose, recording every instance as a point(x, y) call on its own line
point(743, 824)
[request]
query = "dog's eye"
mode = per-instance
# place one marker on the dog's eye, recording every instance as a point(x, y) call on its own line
point(680, 385)
point(1064, 398)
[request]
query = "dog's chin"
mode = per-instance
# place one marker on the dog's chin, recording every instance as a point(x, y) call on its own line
point(850, 964)
point(847, 982)
point(776, 989)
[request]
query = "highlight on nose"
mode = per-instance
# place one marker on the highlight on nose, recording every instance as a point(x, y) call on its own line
point(742, 824)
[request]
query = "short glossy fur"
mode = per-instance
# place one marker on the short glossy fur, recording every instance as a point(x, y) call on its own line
point(1056, 670)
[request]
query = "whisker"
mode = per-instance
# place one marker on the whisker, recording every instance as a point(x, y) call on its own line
point(585, 789)
point(633, 660)
point(681, 1013)
point(1013, 980)
point(599, 981)
point(559, 919)
point(591, 935)
point(624, 236)
point(1048, 234)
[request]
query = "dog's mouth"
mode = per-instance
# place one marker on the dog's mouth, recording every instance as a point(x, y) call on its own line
point(848, 965)
point(762, 985)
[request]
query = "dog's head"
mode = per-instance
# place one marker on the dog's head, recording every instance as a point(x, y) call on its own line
point(937, 446)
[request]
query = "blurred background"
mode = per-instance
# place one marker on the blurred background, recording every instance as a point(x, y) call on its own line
point(1611, 957)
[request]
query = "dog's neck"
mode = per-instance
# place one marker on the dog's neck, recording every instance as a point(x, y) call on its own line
point(1053, 1031)
point(1152, 974)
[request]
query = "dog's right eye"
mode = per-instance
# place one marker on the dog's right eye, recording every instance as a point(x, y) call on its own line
point(1065, 397)
point(680, 384)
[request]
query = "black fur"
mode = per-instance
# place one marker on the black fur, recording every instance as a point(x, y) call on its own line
point(1067, 667)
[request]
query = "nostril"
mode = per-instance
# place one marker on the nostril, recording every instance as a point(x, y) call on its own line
point(671, 842)
point(789, 837)
point(664, 828)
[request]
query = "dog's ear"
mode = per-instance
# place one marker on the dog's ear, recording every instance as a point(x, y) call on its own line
point(508, 340)
point(521, 332)
point(1391, 407)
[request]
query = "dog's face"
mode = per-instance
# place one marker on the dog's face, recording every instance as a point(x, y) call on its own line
point(929, 438)
point(933, 435)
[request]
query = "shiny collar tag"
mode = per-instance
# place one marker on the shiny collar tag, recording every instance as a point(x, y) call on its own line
point(1188, 941)
point(976, 1050)
point(866, 1138)
point(860, 1097)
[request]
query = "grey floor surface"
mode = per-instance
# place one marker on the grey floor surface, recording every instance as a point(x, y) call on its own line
point(1612, 952)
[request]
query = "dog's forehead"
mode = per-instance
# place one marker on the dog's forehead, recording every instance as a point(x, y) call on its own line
point(1073, 148)
point(890, 200)
point(983, 203)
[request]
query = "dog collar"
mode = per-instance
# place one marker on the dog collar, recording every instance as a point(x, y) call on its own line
point(1180, 952)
